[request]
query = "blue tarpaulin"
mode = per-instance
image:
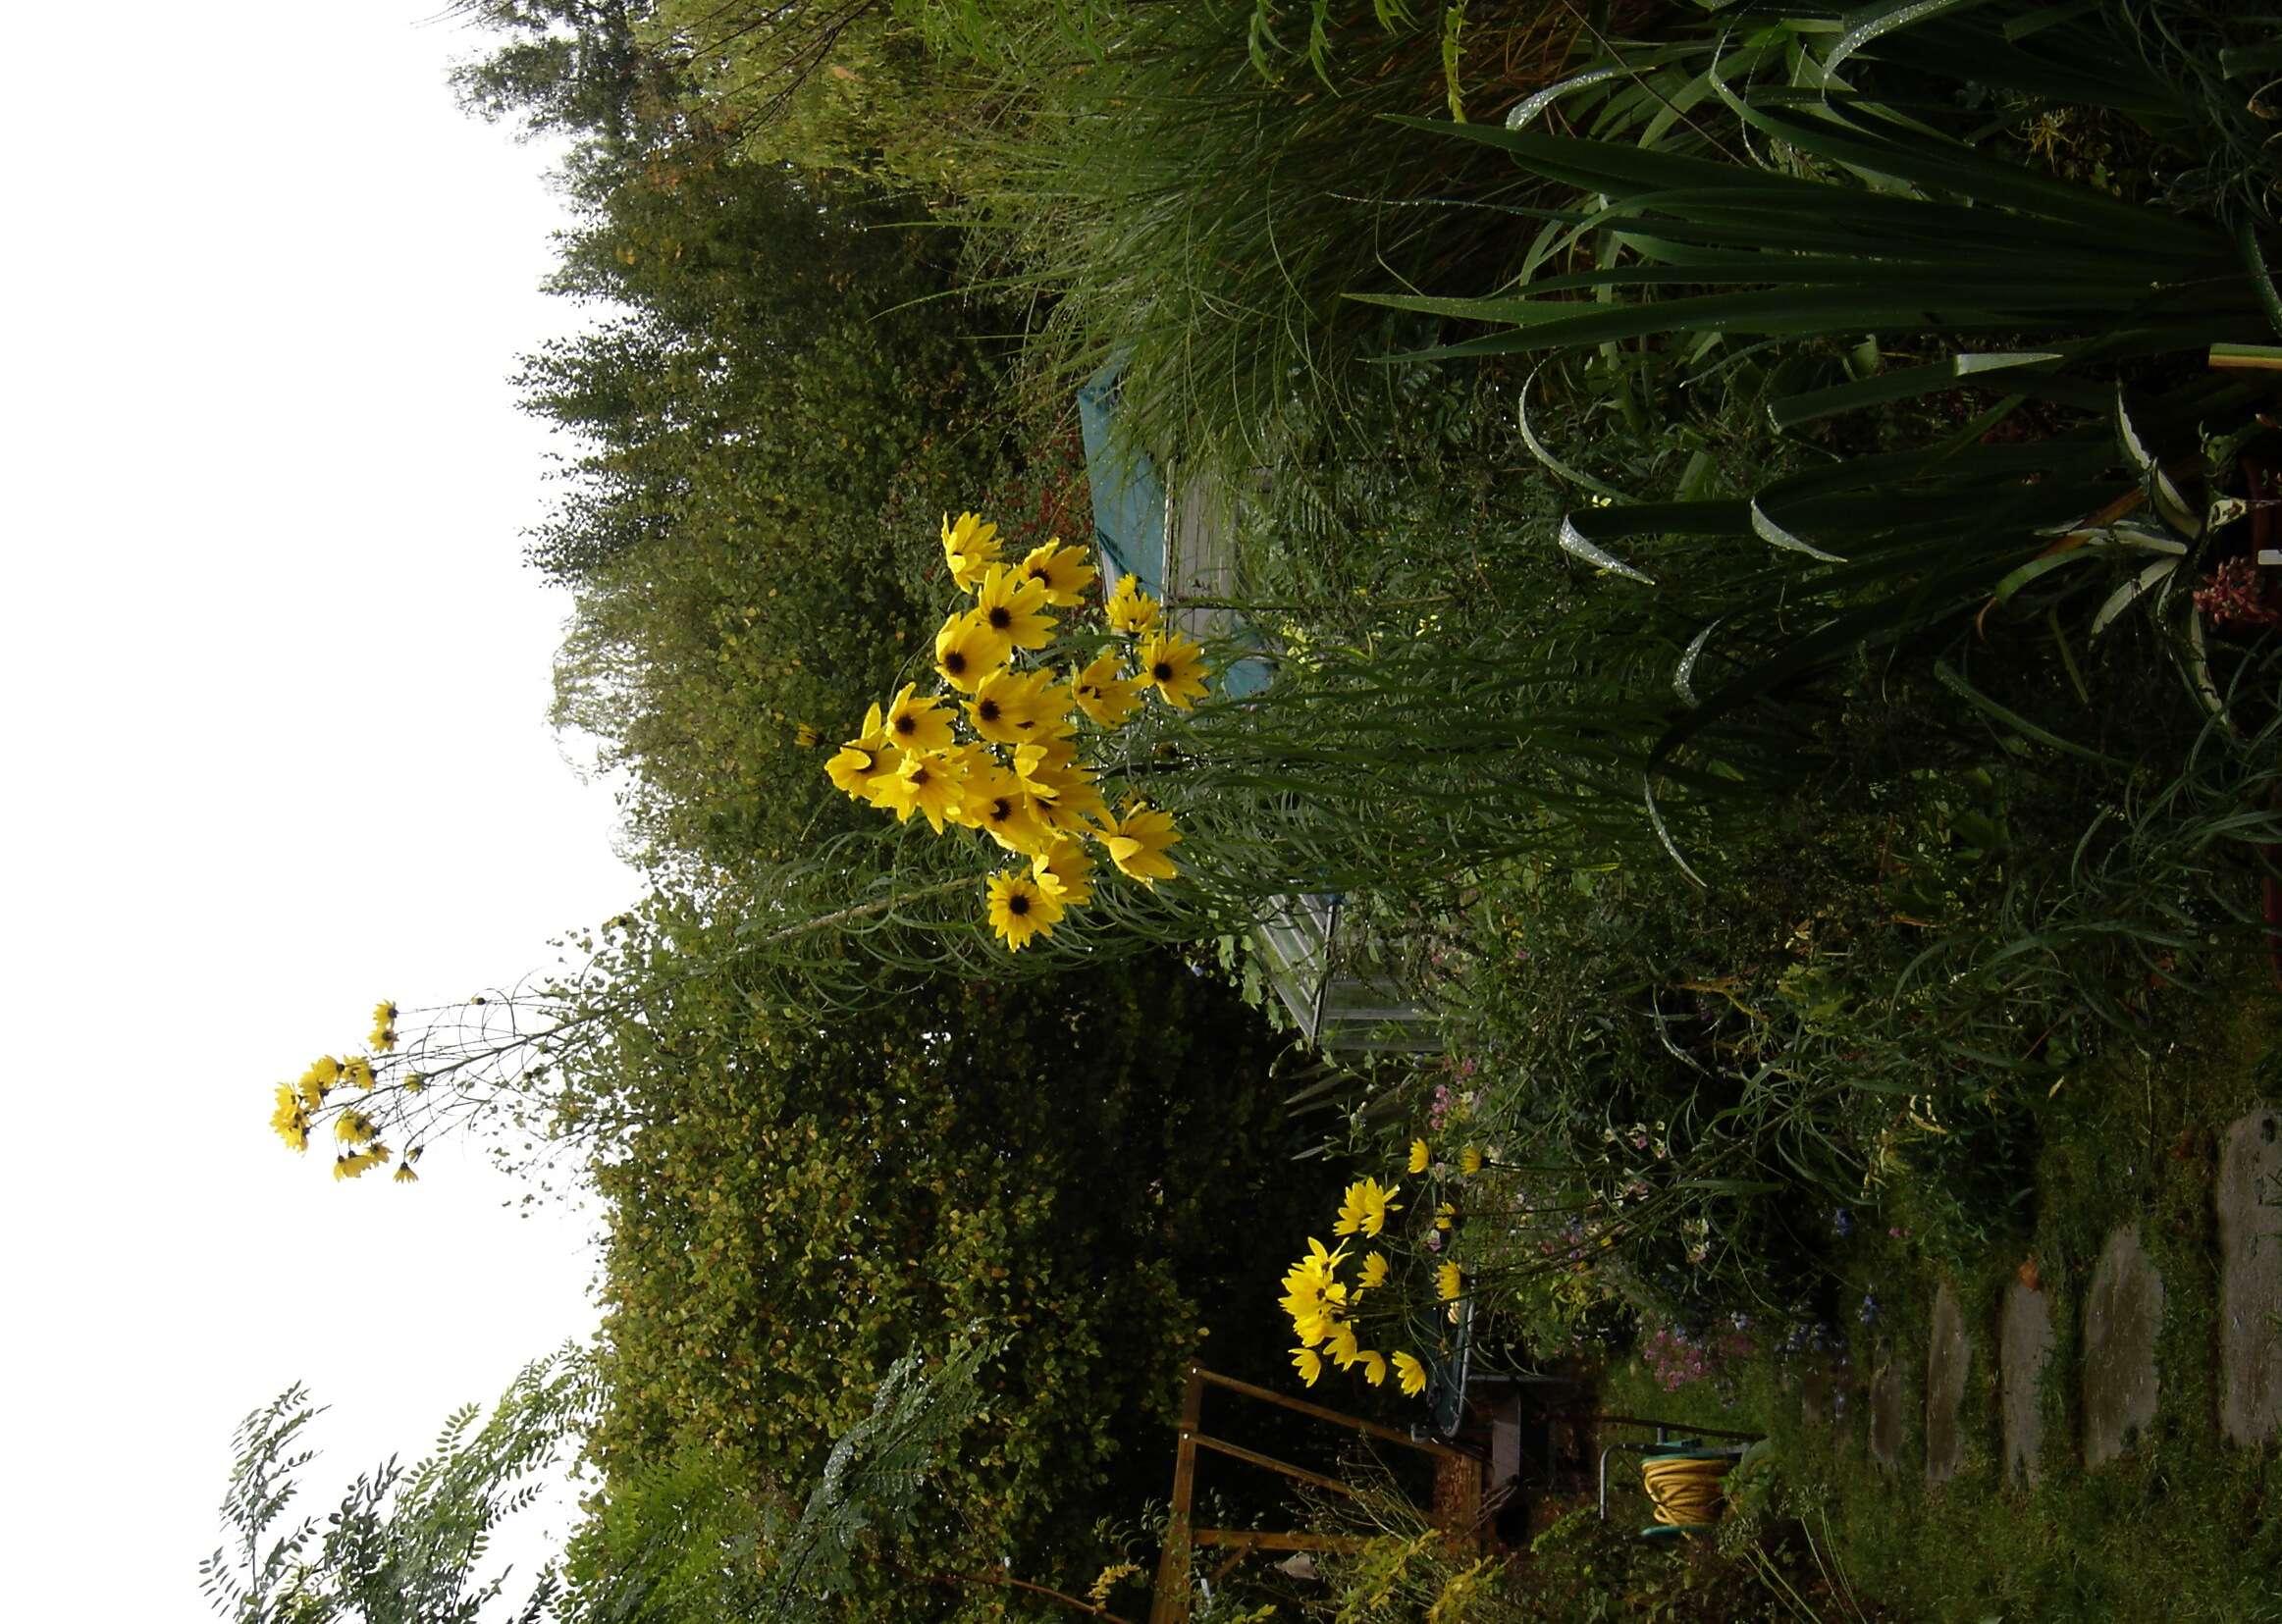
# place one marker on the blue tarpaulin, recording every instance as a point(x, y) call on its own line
point(1128, 496)
point(1130, 516)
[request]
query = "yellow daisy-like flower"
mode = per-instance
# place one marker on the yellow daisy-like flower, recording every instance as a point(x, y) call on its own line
point(1312, 1293)
point(1376, 1268)
point(1341, 1347)
point(1013, 707)
point(1021, 909)
point(998, 806)
point(323, 1075)
point(1469, 1161)
point(1364, 1208)
point(1130, 612)
point(1065, 869)
point(357, 1164)
point(970, 547)
point(359, 1072)
point(1014, 607)
point(806, 737)
point(291, 1120)
point(1444, 1216)
point(1374, 1368)
point(1175, 666)
point(354, 1128)
point(1308, 1362)
point(1064, 791)
point(853, 767)
point(1062, 570)
point(915, 725)
point(1410, 1373)
point(967, 650)
point(1105, 693)
point(404, 1174)
point(1419, 1156)
point(1450, 1282)
point(1136, 843)
point(931, 784)
point(383, 1025)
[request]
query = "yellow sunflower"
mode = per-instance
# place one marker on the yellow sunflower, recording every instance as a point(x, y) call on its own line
point(291, 1120)
point(998, 806)
point(1410, 1373)
point(1175, 666)
point(1065, 869)
point(1105, 693)
point(1130, 612)
point(915, 724)
point(929, 783)
point(1021, 910)
point(1364, 1208)
point(1014, 607)
point(970, 547)
point(1062, 570)
point(853, 767)
point(354, 1128)
point(1012, 707)
point(967, 650)
point(1136, 843)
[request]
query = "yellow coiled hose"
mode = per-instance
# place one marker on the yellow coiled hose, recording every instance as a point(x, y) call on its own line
point(1684, 1492)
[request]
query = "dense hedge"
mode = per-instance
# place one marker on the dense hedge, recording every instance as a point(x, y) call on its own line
point(1094, 1167)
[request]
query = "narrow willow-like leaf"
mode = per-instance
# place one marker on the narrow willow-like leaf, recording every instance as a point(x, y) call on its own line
point(1538, 449)
point(1574, 543)
point(1775, 535)
point(1526, 110)
point(1874, 21)
point(2128, 593)
point(1684, 675)
point(1664, 834)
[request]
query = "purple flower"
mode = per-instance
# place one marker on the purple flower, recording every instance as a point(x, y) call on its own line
point(1842, 1223)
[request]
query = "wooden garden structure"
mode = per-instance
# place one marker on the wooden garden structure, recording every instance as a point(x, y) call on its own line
point(1458, 1515)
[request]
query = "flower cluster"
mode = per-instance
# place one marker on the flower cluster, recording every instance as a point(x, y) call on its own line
point(1675, 1357)
point(998, 750)
point(2239, 596)
point(362, 1148)
point(1327, 1311)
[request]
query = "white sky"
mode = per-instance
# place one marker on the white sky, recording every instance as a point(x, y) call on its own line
point(278, 679)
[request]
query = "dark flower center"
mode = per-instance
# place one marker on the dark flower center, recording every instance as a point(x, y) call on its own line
point(954, 662)
point(1161, 671)
point(987, 710)
point(1001, 810)
point(906, 725)
point(999, 617)
point(1018, 905)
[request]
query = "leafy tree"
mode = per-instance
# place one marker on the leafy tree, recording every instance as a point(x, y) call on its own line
point(762, 433)
point(405, 1545)
point(571, 67)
